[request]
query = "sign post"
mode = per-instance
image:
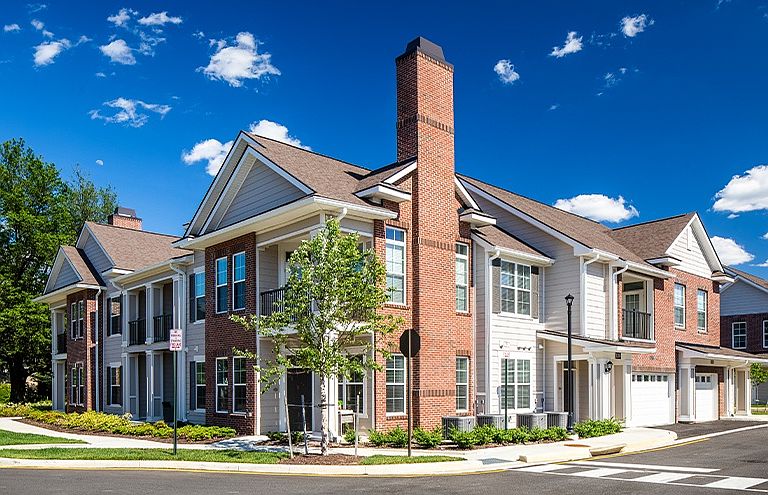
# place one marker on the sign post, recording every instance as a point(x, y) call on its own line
point(175, 342)
point(410, 343)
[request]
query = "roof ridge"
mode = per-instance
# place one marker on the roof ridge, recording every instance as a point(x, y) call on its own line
point(133, 230)
point(664, 219)
point(389, 165)
point(517, 238)
point(311, 151)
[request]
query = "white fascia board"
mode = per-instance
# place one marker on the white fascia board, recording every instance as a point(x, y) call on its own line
point(464, 194)
point(752, 284)
point(56, 268)
point(401, 174)
point(275, 167)
point(62, 292)
point(654, 272)
point(381, 191)
point(150, 270)
point(115, 272)
point(589, 346)
point(664, 261)
point(479, 219)
point(723, 279)
point(693, 353)
point(513, 253)
point(705, 243)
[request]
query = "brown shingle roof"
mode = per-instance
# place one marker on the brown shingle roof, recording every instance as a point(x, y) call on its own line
point(79, 261)
point(752, 278)
point(498, 237)
point(133, 249)
point(711, 349)
point(587, 232)
point(652, 239)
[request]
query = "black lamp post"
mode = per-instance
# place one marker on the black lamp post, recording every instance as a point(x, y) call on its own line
point(569, 302)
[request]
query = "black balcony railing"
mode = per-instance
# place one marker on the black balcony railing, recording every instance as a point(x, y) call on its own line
point(162, 325)
point(61, 343)
point(137, 332)
point(636, 325)
point(272, 301)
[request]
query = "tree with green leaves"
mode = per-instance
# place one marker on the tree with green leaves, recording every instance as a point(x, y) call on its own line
point(758, 373)
point(332, 302)
point(38, 212)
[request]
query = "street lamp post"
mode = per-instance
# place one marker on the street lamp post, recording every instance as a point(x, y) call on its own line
point(569, 302)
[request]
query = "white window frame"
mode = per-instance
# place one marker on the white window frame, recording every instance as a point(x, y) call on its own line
point(462, 258)
point(397, 383)
point(343, 382)
point(201, 274)
point(77, 308)
point(73, 386)
point(462, 384)
point(81, 389)
point(515, 385)
point(675, 306)
point(699, 311)
point(236, 384)
point(400, 244)
point(515, 289)
point(198, 385)
point(765, 334)
point(222, 384)
point(112, 386)
point(218, 284)
point(238, 281)
point(742, 326)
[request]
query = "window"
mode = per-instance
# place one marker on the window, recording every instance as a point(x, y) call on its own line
point(517, 394)
point(200, 385)
point(199, 308)
point(115, 395)
point(395, 260)
point(77, 313)
point(238, 384)
point(350, 389)
point(515, 288)
point(221, 285)
point(115, 321)
point(462, 383)
point(765, 333)
point(739, 335)
point(701, 311)
point(238, 281)
point(679, 305)
point(396, 384)
point(462, 277)
point(73, 388)
point(222, 384)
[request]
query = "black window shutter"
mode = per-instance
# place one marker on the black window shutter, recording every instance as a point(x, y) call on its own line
point(192, 305)
point(496, 285)
point(534, 292)
point(192, 385)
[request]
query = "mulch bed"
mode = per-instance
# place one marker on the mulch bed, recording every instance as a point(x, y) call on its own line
point(324, 460)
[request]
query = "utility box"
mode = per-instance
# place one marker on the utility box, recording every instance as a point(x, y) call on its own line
point(461, 423)
point(496, 420)
point(532, 420)
point(557, 418)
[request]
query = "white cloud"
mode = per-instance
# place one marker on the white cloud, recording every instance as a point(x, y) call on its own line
point(11, 28)
point(506, 71)
point(100, 74)
point(732, 216)
point(100, 163)
point(46, 52)
point(631, 26)
point(39, 25)
point(572, 45)
point(239, 62)
point(554, 107)
point(765, 236)
point(278, 132)
point(210, 150)
point(36, 7)
point(122, 17)
point(159, 19)
point(731, 252)
point(119, 52)
point(598, 207)
point(129, 112)
point(748, 192)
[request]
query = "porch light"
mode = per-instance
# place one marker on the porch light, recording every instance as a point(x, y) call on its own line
point(608, 366)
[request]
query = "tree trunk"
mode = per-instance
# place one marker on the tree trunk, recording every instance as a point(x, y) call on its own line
point(323, 416)
point(18, 374)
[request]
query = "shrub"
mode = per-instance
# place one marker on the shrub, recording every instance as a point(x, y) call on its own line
point(513, 435)
point(376, 438)
point(597, 427)
point(397, 437)
point(463, 439)
point(485, 434)
point(556, 434)
point(5, 393)
point(349, 435)
point(428, 438)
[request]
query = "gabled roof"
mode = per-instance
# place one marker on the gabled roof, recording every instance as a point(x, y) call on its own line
point(652, 239)
point(81, 265)
point(74, 258)
point(498, 237)
point(760, 282)
point(717, 352)
point(132, 249)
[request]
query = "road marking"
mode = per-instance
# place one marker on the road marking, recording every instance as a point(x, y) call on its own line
point(736, 483)
point(599, 472)
point(650, 467)
point(543, 468)
point(662, 477)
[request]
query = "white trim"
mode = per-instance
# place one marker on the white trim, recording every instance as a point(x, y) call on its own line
point(464, 194)
point(404, 384)
point(217, 385)
point(674, 306)
point(160, 270)
point(402, 173)
point(706, 311)
point(466, 383)
point(381, 191)
point(535, 260)
point(589, 346)
point(243, 384)
point(733, 334)
point(275, 240)
point(216, 284)
point(402, 244)
point(467, 271)
point(665, 261)
point(748, 282)
point(765, 334)
point(696, 227)
point(245, 277)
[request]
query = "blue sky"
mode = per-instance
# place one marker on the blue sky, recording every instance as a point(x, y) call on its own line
point(659, 103)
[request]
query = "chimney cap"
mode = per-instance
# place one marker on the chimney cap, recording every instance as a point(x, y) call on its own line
point(425, 46)
point(125, 212)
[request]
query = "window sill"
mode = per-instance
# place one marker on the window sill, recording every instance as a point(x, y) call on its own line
point(239, 414)
point(397, 416)
point(682, 329)
point(396, 306)
point(115, 335)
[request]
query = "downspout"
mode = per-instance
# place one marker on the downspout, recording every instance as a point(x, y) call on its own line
point(98, 367)
point(342, 215)
point(489, 310)
point(615, 300)
point(258, 345)
point(183, 325)
point(583, 290)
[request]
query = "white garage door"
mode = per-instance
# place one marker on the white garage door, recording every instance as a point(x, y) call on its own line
point(652, 400)
point(706, 396)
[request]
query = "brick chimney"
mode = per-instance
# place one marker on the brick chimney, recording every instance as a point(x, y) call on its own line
point(425, 132)
point(125, 217)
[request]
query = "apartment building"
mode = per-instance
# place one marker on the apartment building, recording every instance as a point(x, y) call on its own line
point(479, 271)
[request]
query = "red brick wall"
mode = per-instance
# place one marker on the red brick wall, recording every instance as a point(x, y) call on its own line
point(82, 351)
point(754, 331)
point(125, 222)
point(223, 335)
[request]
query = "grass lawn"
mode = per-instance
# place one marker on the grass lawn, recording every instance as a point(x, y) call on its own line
point(145, 455)
point(12, 438)
point(402, 459)
point(759, 410)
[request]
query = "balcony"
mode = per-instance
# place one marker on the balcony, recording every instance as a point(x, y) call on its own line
point(61, 343)
point(162, 325)
point(137, 332)
point(636, 325)
point(272, 301)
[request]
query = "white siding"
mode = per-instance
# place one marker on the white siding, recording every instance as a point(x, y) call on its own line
point(692, 260)
point(743, 299)
point(551, 349)
point(268, 266)
point(596, 288)
point(96, 255)
point(195, 341)
point(113, 350)
point(270, 400)
point(480, 262)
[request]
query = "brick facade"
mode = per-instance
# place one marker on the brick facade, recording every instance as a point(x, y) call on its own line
point(754, 331)
point(82, 351)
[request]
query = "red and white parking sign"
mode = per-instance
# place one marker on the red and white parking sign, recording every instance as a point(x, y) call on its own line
point(175, 340)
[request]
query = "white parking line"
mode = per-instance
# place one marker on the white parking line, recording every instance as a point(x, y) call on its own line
point(543, 468)
point(662, 477)
point(649, 467)
point(736, 483)
point(599, 472)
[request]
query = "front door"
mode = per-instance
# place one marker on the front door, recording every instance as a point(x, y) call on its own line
point(298, 385)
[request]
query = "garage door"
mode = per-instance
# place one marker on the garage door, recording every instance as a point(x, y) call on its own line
point(706, 396)
point(652, 400)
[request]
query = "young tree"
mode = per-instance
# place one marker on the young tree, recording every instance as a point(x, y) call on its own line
point(758, 373)
point(332, 301)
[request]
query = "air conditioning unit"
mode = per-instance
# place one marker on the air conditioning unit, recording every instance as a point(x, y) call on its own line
point(461, 423)
point(532, 420)
point(557, 418)
point(496, 420)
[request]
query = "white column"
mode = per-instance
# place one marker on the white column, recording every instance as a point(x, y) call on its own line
point(627, 377)
point(748, 392)
point(730, 391)
point(602, 390)
point(150, 312)
point(126, 377)
point(150, 378)
point(687, 392)
point(591, 390)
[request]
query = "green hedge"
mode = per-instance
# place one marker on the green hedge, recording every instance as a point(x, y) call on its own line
point(5, 393)
point(92, 421)
point(597, 427)
point(489, 434)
